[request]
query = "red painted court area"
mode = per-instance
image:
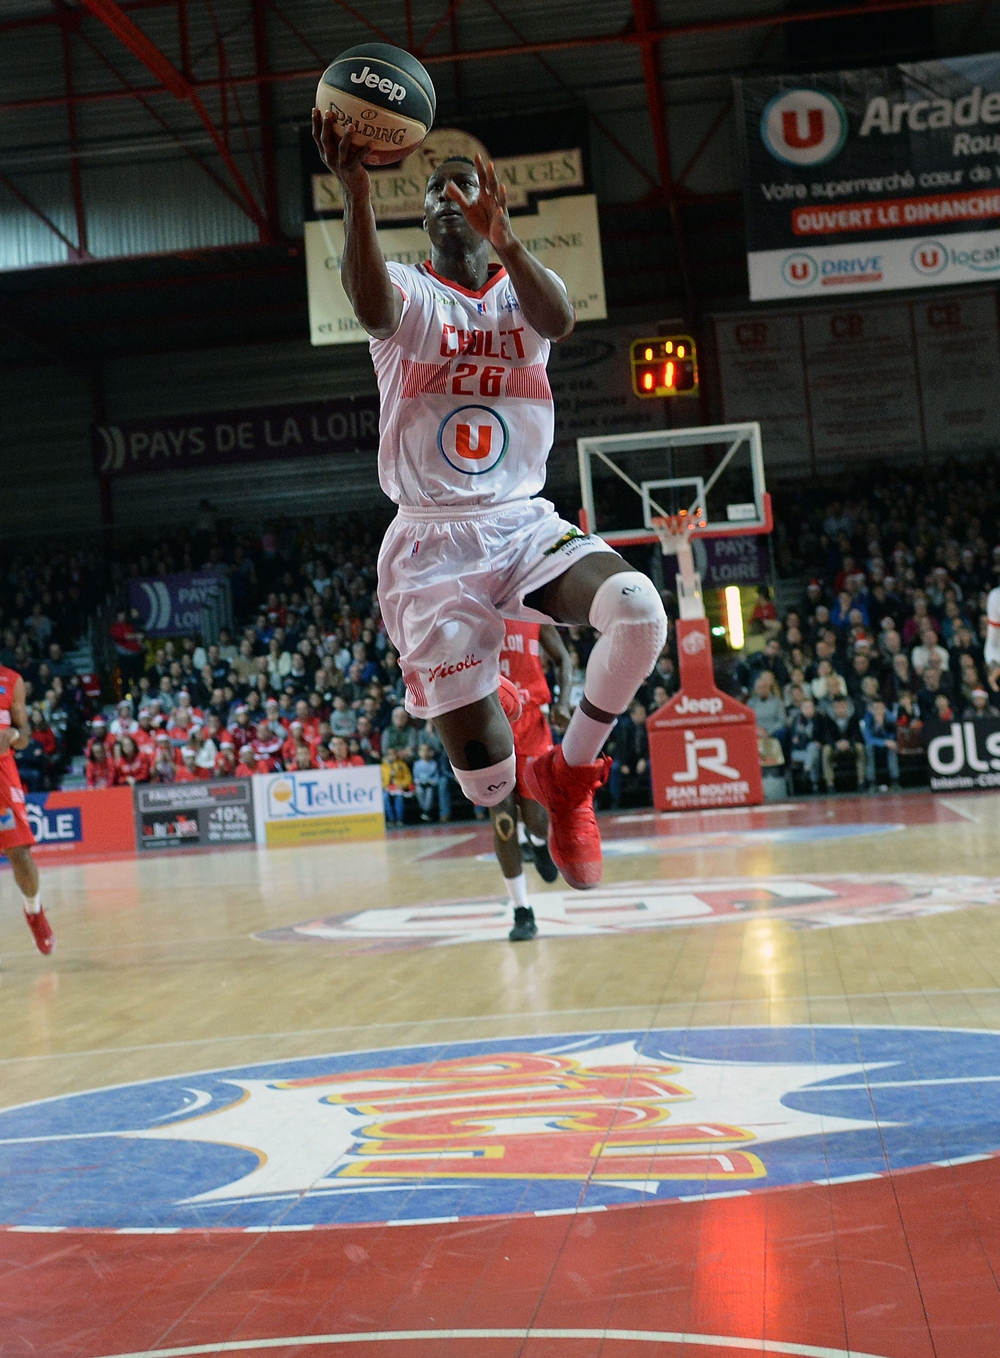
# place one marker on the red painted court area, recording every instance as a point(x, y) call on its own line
point(899, 1267)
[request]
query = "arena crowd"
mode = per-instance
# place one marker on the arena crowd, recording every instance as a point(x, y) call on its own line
point(888, 634)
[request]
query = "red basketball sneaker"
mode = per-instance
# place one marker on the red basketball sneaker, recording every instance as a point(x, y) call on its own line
point(510, 699)
point(567, 793)
point(45, 939)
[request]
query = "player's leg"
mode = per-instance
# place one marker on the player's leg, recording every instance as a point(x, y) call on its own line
point(478, 741)
point(508, 852)
point(533, 825)
point(26, 877)
point(624, 606)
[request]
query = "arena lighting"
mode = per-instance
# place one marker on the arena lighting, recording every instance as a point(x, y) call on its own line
point(664, 366)
point(734, 617)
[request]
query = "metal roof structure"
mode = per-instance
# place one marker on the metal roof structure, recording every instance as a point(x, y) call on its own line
point(150, 189)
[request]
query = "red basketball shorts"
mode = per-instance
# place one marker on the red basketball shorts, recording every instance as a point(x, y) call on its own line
point(15, 828)
point(532, 737)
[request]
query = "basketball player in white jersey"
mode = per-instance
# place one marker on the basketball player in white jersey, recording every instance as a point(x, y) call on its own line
point(460, 348)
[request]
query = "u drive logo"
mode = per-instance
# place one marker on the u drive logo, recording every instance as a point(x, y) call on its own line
point(710, 753)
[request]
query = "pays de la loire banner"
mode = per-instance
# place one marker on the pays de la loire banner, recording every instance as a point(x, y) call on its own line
point(564, 234)
point(860, 181)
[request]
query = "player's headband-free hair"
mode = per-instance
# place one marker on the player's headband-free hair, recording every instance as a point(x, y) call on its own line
point(450, 160)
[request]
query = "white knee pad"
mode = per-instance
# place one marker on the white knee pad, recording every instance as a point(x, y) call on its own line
point(628, 612)
point(488, 787)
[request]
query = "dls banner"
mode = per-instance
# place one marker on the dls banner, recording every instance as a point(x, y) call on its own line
point(564, 234)
point(223, 437)
point(324, 805)
point(859, 181)
point(963, 755)
point(702, 743)
point(204, 815)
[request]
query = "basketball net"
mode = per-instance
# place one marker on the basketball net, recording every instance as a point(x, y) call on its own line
point(674, 532)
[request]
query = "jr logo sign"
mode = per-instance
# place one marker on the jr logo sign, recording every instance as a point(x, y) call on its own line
point(702, 743)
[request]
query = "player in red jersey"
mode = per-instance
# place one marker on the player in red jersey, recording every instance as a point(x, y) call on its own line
point(521, 664)
point(16, 838)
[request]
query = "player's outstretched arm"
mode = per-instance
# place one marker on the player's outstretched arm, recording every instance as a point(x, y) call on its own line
point(552, 644)
point(544, 303)
point(376, 302)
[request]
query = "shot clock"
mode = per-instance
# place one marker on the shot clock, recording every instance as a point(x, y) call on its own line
point(665, 366)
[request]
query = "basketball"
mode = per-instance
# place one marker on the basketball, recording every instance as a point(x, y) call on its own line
point(382, 95)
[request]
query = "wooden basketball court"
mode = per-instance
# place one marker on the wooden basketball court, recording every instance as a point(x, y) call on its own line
point(744, 1099)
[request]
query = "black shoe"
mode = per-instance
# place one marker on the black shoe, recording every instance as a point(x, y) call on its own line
point(542, 859)
point(525, 927)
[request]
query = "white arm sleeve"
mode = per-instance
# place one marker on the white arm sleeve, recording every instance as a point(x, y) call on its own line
point(992, 648)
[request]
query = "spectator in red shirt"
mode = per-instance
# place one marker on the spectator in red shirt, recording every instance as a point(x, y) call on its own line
point(128, 648)
point(247, 765)
point(188, 772)
point(100, 769)
point(145, 736)
point(164, 766)
point(342, 757)
point(303, 759)
point(132, 766)
point(98, 732)
point(225, 760)
point(241, 731)
point(289, 748)
point(267, 745)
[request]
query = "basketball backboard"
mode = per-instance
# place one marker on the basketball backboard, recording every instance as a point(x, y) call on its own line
point(715, 471)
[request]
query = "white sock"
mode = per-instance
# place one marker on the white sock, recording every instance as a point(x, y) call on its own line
point(522, 833)
point(32, 904)
point(517, 890)
point(538, 841)
point(584, 738)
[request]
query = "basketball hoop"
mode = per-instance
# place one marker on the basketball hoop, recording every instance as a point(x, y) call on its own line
point(675, 530)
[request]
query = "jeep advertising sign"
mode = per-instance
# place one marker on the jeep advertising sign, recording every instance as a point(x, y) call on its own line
point(860, 181)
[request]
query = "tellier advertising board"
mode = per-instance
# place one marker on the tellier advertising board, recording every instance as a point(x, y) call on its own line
point(963, 755)
point(859, 181)
point(321, 805)
point(194, 815)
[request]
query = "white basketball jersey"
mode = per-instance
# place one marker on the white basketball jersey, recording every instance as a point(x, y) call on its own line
point(992, 650)
point(466, 409)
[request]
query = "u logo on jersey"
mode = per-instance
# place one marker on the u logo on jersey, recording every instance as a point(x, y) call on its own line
point(473, 439)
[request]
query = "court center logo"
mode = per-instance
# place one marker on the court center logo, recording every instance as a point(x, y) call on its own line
point(813, 902)
point(804, 127)
point(473, 439)
point(506, 1126)
point(929, 257)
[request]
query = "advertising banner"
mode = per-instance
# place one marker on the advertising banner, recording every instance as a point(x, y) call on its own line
point(204, 815)
point(732, 561)
point(702, 743)
point(261, 434)
point(169, 605)
point(323, 805)
point(963, 755)
point(564, 234)
point(879, 378)
point(84, 824)
point(860, 181)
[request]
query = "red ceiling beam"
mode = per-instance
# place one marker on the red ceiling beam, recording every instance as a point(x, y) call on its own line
point(730, 25)
point(131, 36)
point(644, 14)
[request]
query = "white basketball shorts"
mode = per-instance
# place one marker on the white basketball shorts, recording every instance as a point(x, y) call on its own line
point(445, 585)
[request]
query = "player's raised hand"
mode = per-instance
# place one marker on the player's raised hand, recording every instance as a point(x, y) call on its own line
point(342, 155)
point(486, 213)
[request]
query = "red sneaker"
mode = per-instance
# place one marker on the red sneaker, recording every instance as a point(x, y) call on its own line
point(567, 793)
point(45, 939)
point(510, 699)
